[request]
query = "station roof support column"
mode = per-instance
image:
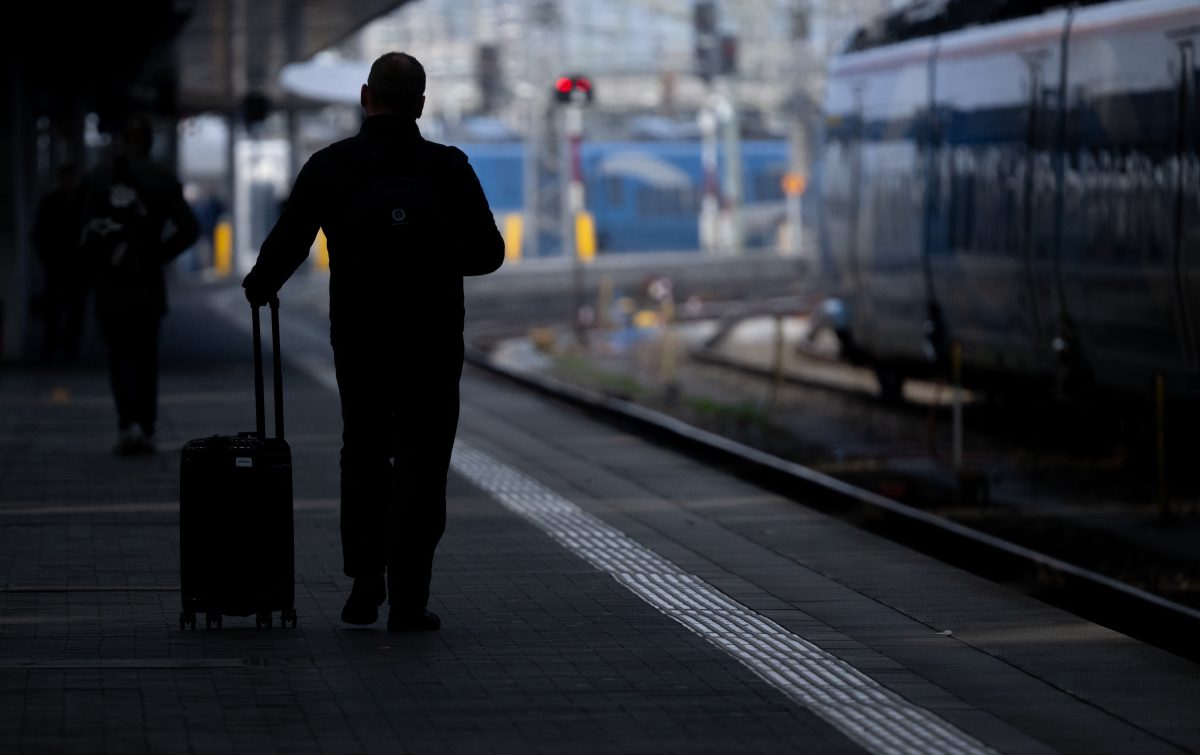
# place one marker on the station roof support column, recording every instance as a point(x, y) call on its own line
point(16, 212)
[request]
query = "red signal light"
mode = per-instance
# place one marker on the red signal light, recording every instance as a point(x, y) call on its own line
point(572, 88)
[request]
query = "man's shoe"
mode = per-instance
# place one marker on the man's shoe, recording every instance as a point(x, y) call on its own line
point(360, 611)
point(147, 447)
point(367, 595)
point(413, 621)
point(130, 441)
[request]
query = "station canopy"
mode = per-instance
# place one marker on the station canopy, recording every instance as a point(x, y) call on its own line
point(175, 57)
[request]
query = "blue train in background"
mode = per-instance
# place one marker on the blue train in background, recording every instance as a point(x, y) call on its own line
point(645, 195)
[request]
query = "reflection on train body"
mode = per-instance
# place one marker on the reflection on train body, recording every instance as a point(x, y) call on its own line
point(1028, 188)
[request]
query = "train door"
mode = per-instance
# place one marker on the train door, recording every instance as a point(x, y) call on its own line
point(1043, 197)
point(888, 90)
point(1187, 200)
point(862, 325)
point(1122, 256)
point(840, 184)
point(989, 85)
point(1037, 297)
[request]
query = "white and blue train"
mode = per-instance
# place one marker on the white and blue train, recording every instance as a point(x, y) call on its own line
point(1020, 178)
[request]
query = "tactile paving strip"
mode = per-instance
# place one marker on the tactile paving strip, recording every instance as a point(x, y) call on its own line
point(858, 706)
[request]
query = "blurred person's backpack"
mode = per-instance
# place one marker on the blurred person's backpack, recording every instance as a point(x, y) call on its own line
point(119, 242)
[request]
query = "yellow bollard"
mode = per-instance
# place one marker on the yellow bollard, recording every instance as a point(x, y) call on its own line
point(543, 339)
point(646, 318)
point(585, 236)
point(223, 248)
point(514, 229)
point(321, 257)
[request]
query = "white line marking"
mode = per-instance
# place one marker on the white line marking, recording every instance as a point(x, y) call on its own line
point(858, 706)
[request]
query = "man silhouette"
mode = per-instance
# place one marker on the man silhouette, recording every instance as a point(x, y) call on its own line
point(135, 221)
point(405, 220)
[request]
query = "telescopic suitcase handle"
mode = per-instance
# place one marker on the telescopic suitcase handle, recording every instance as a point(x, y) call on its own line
point(259, 400)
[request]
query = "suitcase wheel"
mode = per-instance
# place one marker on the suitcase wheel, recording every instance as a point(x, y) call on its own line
point(263, 619)
point(187, 619)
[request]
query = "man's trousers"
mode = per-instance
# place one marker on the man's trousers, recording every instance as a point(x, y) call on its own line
point(400, 415)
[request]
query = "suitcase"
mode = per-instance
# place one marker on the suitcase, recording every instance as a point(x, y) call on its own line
point(235, 515)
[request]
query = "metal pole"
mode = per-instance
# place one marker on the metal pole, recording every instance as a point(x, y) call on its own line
point(668, 365)
point(15, 291)
point(956, 368)
point(225, 18)
point(710, 202)
point(293, 136)
point(799, 240)
point(572, 205)
point(798, 157)
point(231, 188)
point(529, 175)
point(777, 362)
point(792, 206)
point(1160, 436)
point(604, 303)
point(733, 169)
point(795, 184)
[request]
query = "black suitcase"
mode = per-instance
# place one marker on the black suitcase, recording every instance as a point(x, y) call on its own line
point(235, 515)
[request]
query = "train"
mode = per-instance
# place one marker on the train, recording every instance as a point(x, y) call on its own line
point(645, 195)
point(1014, 186)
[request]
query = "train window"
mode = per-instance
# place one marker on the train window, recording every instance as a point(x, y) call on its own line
point(653, 200)
point(768, 185)
point(962, 213)
point(614, 187)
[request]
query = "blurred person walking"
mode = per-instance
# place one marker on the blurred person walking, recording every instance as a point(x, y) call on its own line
point(135, 221)
point(405, 220)
point(67, 278)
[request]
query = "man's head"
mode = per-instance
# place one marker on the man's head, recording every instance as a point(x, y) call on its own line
point(396, 85)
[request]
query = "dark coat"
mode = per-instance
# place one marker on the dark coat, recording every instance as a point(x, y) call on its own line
point(413, 283)
point(166, 227)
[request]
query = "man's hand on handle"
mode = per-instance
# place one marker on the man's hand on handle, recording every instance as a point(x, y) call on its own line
point(257, 293)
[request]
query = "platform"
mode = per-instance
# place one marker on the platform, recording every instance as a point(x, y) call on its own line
point(599, 594)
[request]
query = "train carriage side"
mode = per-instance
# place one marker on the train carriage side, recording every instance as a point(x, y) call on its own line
point(644, 195)
point(1129, 245)
point(993, 283)
point(1055, 186)
point(873, 191)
